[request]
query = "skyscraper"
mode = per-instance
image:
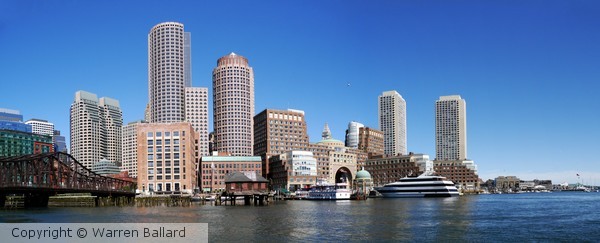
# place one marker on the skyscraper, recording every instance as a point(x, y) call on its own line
point(196, 113)
point(233, 105)
point(167, 69)
point(450, 128)
point(352, 134)
point(95, 129)
point(392, 121)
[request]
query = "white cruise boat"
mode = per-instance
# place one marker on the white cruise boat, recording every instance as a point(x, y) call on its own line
point(421, 186)
point(339, 191)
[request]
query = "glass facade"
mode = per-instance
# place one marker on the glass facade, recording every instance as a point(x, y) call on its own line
point(15, 143)
point(15, 126)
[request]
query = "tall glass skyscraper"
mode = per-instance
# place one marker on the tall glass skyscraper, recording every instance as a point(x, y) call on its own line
point(233, 105)
point(392, 121)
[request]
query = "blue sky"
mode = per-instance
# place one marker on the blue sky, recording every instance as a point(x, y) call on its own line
point(528, 70)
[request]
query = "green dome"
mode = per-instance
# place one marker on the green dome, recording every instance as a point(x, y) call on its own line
point(363, 174)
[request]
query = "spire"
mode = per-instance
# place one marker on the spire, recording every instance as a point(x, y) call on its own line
point(326, 132)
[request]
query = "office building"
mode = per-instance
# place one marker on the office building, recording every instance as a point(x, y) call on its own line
point(196, 113)
point(352, 134)
point(167, 51)
point(39, 126)
point(95, 129)
point(233, 105)
point(277, 132)
point(392, 121)
point(166, 158)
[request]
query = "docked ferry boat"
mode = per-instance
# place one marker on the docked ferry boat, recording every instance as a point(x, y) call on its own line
point(421, 186)
point(339, 191)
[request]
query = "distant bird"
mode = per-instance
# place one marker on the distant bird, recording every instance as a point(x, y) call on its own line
point(348, 84)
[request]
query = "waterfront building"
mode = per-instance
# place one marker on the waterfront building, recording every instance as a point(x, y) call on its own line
point(371, 141)
point(390, 169)
point(214, 168)
point(39, 126)
point(60, 145)
point(461, 172)
point(233, 105)
point(335, 163)
point(95, 129)
point(105, 167)
point(451, 143)
point(10, 115)
point(507, 183)
point(167, 58)
point(277, 132)
point(16, 143)
point(392, 121)
point(450, 128)
point(352, 134)
point(129, 145)
point(166, 158)
point(293, 170)
point(196, 113)
point(245, 183)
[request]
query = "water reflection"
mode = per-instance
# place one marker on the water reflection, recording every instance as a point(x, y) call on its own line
point(557, 217)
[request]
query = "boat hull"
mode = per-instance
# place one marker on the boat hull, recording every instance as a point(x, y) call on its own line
point(412, 194)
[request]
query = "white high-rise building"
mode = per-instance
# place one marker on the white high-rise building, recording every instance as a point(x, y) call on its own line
point(113, 117)
point(168, 67)
point(450, 128)
point(39, 126)
point(392, 121)
point(352, 134)
point(233, 105)
point(129, 145)
point(95, 129)
point(196, 113)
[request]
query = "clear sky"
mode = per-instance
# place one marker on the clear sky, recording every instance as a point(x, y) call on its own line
point(528, 70)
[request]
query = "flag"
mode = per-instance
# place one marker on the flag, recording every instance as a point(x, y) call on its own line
point(212, 166)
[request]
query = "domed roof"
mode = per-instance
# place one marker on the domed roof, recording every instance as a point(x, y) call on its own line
point(331, 141)
point(363, 174)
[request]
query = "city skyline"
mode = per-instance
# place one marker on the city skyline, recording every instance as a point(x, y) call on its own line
point(528, 74)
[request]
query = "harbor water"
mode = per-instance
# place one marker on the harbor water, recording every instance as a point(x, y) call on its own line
point(558, 216)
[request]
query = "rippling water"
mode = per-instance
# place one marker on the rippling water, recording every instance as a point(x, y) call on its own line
point(560, 216)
